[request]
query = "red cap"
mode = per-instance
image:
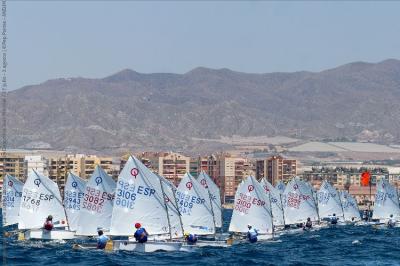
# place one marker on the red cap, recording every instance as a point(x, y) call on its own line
point(137, 225)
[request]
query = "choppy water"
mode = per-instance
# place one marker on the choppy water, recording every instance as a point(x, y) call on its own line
point(347, 245)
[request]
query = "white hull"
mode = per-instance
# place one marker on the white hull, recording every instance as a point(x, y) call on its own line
point(146, 247)
point(211, 243)
point(41, 234)
point(264, 237)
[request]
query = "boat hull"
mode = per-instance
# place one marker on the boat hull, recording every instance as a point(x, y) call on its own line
point(146, 247)
point(214, 243)
point(41, 234)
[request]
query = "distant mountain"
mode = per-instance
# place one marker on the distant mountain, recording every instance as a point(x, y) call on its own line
point(130, 110)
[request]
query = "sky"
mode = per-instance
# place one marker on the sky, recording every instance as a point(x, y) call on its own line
point(95, 39)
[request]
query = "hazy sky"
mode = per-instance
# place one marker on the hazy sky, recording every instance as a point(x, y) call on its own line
point(98, 38)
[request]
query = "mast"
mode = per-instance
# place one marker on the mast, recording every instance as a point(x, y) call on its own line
point(370, 199)
point(212, 212)
point(177, 209)
point(166, 209)
point(212, 209)
point(272, 216)
point(283, 210)
point(63, 200)
point(341, 205)
point(316, 204)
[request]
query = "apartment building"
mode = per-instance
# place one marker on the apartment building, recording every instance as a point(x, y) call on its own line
point(12, 163)
point(173, 166)
point(37, 163)
point(276, 168)
point(79, 164)
point(231, 171)
point(149, 159)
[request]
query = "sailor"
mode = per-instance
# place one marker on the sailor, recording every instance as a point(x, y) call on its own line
point(252, 234)
point(308, 223)
point(391, 222)
point(48, 224)
point(334, 219)
point(140, 234)
point(365, 215)
point(102, 240)
point(191, 239)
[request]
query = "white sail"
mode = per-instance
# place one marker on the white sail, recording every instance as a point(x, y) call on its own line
point(96, 206)
point(329, 201)
point(139, 199)
point(386, 201)
point(251, 207)
point(299, 203)
point(350, 207)
point(194, 205)
point(280, 186)
point(206, 181)
point(173, 210)
point(12, 193)
point(274, 197)
point(40, 198)
point(73, 195)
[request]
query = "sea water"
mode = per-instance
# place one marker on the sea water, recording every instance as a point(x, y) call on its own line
point(342, 245)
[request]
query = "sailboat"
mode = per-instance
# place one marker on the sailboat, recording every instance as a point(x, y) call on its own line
point(251, 207)
point(214, 196)
point(194, 206)
point(12, 193)
point(74, 192)
point(221, 239)
point(351, 212)
point(386, 202)
point(275, 199)
point(96, 205)
point(299, 203)
point(40, 198)
point(329, 202)
point(141, 197)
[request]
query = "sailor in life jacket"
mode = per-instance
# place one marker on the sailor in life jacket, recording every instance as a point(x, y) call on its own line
point(140, 234)
point(252, 234)
point(102, 240)
point(391, 222)
point(308, 223)
point(48, 224)
point(334, 219)
point(191, 239)
point(365, 215)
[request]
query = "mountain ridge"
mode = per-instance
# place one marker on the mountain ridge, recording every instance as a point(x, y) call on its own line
point(132, 110)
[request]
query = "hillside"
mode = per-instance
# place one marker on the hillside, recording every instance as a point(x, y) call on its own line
point(130, 110)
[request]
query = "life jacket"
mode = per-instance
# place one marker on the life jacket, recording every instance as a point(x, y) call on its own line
point(252, 235)
point(48, 225)
point(334, 220)
point(141, 235)
point(192, 239)
point(308, 224)
point(102, 241)
point(391, 222)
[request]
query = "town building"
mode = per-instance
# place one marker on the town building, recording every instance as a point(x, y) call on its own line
point(12, 163)
point(37, 163)
point(79, 164)
point(173, 166)
point(276, 168)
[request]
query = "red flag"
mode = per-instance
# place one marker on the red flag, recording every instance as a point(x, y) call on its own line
point(365, 178)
